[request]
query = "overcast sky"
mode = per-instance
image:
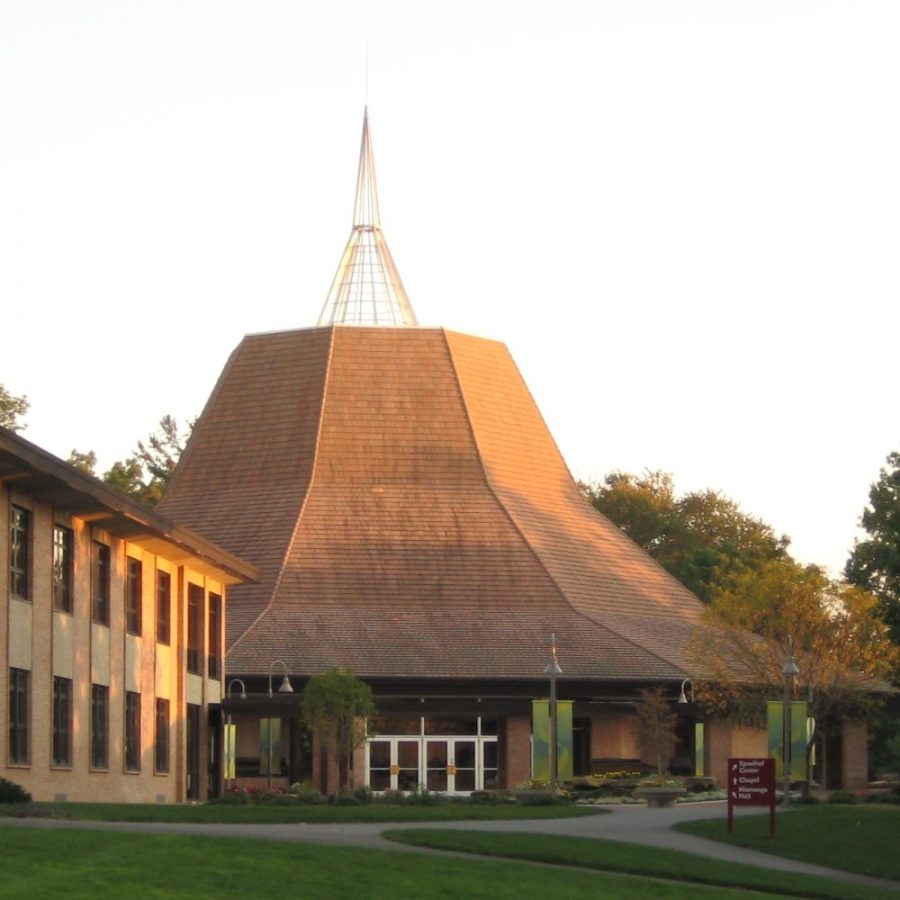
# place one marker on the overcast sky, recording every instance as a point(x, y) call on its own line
point(681, 217)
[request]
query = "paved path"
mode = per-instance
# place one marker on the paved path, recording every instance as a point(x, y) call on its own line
point(634, 824)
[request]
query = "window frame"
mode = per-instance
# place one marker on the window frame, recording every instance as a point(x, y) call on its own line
point(132, 734)
point(101, 582)
point(20, 552)
point(194, 644)
point(63, 567)
point(99, 726)
point(161, 754)
point(134, 585)
point(61, 747)
point(19, 718)
point(214, 639)
point(163, 607)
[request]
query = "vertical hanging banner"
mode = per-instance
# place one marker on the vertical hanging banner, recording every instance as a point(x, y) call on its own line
point(540, 740)
point(229, 749)
point(775, 717)
point(699, 749)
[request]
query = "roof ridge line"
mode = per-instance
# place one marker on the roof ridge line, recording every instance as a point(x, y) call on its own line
point(312, 477)
point(490, 484)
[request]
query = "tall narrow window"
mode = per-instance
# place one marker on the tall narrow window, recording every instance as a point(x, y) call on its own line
point(163, 607)
point(132, 731)
point(99, 726)
point(18, 716)
point(194, 628)
point(62, 721)
point(214, 642)
point(133, 588)
point(192, 739)
point(19, 571)
point(100, 575)
point(62, 568)
point(161, 746)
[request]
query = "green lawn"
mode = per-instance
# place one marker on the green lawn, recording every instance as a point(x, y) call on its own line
point(859, 838)
point(89, 864)
point(318, 815)
point(615, 856)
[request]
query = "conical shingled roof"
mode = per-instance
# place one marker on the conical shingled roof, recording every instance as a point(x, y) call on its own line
point(412, 517)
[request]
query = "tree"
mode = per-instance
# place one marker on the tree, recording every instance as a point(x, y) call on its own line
point(11, 408)
point(335, 706)
point(86, 462)
point(874, 564)
point(840, 647)
point(657, 725)
point(702, 538)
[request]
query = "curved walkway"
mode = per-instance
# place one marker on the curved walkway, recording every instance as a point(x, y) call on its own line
point(633, 824)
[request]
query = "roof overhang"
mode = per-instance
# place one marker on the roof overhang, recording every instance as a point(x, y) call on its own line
point(26, 467)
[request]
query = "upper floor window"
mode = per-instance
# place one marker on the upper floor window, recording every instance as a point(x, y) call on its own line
point(133, 590)
point(163, 607)
point(100, 581)
point(194, 628)
point(214, 642)
point(62, 568)
point(19, 540)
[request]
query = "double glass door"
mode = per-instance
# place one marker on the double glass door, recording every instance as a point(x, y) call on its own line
point(451, 765)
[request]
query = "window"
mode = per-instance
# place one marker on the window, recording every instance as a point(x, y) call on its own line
point(132, 731)
point(99, 726)
point(161, 746)
point(19, 530)
point(192, 739)
point(133, 587)
point(62, 568)
point(18, 716)
point(194, 628)
point(100, 572)
point(163, 607)
point(62, 721)
point(215, 636)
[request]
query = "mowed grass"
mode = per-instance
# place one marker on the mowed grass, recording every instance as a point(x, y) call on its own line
point(615, 856)
point(263, 814)
point(859, 838)
point(91, 864)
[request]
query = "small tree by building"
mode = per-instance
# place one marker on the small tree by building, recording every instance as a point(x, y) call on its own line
point(335, 706)
point(657, 725)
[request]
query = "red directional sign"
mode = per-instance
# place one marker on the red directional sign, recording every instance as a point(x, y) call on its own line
point(751, 782)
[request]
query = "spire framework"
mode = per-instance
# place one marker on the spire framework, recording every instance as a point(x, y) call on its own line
point(367, 289)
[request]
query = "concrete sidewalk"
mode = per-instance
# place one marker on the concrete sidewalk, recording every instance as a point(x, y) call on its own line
point(632, 824)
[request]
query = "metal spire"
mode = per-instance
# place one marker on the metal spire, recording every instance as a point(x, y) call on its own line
point(367, 289)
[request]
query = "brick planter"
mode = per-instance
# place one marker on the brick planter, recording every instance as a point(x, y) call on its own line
point(658, 796)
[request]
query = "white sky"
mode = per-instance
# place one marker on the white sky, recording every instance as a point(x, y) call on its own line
point(681, 217)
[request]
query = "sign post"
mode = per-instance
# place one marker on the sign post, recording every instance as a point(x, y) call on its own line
point(751, 782)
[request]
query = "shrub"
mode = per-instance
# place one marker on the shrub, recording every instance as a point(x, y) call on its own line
point(363, 794)
point(10, 792)
point(843, 797)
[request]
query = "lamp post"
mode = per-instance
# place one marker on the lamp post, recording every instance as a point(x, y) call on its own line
point(682, 698)
point(229, 744)
point(553, 669)
point(789, 670)
point(284, 688)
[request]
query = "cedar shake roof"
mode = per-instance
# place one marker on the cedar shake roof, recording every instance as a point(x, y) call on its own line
point(411, 515)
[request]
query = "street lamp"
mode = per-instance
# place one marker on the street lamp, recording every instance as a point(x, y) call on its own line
point(553, 669)
point(682, 697)
point(789, 670)
point(284, 688)
point(230, 742)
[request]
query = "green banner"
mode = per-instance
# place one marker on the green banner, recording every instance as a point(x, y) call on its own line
point(699, 756)
point(229, 750)
point(267, 750)
point(540, 740)
point(775, 717)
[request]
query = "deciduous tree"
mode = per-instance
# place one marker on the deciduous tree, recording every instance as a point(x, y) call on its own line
point(12, 408)
point(335, 706)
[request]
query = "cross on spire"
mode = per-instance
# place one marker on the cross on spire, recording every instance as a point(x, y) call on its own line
point(367, 289)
